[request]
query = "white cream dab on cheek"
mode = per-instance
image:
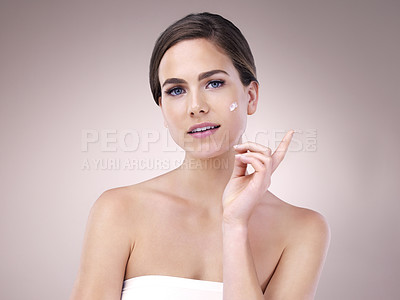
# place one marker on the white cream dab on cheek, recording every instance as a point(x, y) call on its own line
point(233, 106)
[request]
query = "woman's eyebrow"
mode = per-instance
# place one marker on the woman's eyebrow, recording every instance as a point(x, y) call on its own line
point(210, 73)
point(173, 81)
point(201, 77)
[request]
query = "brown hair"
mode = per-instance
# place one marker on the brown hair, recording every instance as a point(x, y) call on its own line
point(213, 27)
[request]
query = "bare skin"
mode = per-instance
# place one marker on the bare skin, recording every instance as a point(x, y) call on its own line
point(215, 224)
point(156, 241)
point(197, 250)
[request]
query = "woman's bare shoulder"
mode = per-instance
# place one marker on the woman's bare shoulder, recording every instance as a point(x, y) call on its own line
point(306, 220)
point(124, 200)
point(309, 224)
point(111, 231)
point(305, 240)
point(293, 221)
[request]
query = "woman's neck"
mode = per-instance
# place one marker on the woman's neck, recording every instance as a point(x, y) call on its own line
point(204, 180)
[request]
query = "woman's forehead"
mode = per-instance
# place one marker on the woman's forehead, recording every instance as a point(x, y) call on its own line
point(193, 57)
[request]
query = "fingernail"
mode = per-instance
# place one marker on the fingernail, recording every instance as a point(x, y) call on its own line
point(235, 146)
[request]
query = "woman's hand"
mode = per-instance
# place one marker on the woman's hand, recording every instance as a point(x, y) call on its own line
point(244, 191)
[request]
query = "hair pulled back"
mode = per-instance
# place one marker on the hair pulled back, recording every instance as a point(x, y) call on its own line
point(222, 32)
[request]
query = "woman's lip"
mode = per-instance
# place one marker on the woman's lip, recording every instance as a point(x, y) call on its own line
point(200, 125)
point(203, 134)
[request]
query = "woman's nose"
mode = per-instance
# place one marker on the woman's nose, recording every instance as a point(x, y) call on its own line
point(197, 105)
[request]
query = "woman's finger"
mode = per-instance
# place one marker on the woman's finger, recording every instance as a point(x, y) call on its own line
point(263, 163)
point(260, 162)
point(239, 168)
point(262, 174)
point(253, 147)
point(280, 152)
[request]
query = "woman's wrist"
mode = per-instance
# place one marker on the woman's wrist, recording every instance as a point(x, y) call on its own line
point(234, 227)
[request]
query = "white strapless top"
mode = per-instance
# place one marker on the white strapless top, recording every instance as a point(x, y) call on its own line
point(162, 287)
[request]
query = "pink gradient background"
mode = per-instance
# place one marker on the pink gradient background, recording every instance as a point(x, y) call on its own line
point(68, 66)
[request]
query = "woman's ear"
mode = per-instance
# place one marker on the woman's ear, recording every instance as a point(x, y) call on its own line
point(252, 92)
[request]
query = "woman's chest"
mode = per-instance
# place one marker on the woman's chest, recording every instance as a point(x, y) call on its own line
point(193, 248)
point(178, 248)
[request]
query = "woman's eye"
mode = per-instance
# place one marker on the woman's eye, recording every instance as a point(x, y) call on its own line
point(215, 84)
point(175, 91)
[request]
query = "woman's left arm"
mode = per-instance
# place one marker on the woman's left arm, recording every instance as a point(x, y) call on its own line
point(241, 195)
point(300, 266)
point(239, 273)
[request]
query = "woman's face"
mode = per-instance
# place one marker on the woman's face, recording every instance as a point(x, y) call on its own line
point(199, 84)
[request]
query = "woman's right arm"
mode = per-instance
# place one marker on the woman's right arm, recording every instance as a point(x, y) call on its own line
point(106, 249)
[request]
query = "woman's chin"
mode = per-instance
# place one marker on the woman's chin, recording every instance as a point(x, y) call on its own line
point(207, 153)
point(197, 160)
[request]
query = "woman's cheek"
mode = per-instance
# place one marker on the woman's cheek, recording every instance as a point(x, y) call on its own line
point(178, 136)
point(237, 127)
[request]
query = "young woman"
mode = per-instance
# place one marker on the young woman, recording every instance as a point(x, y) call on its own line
point(208, 229)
